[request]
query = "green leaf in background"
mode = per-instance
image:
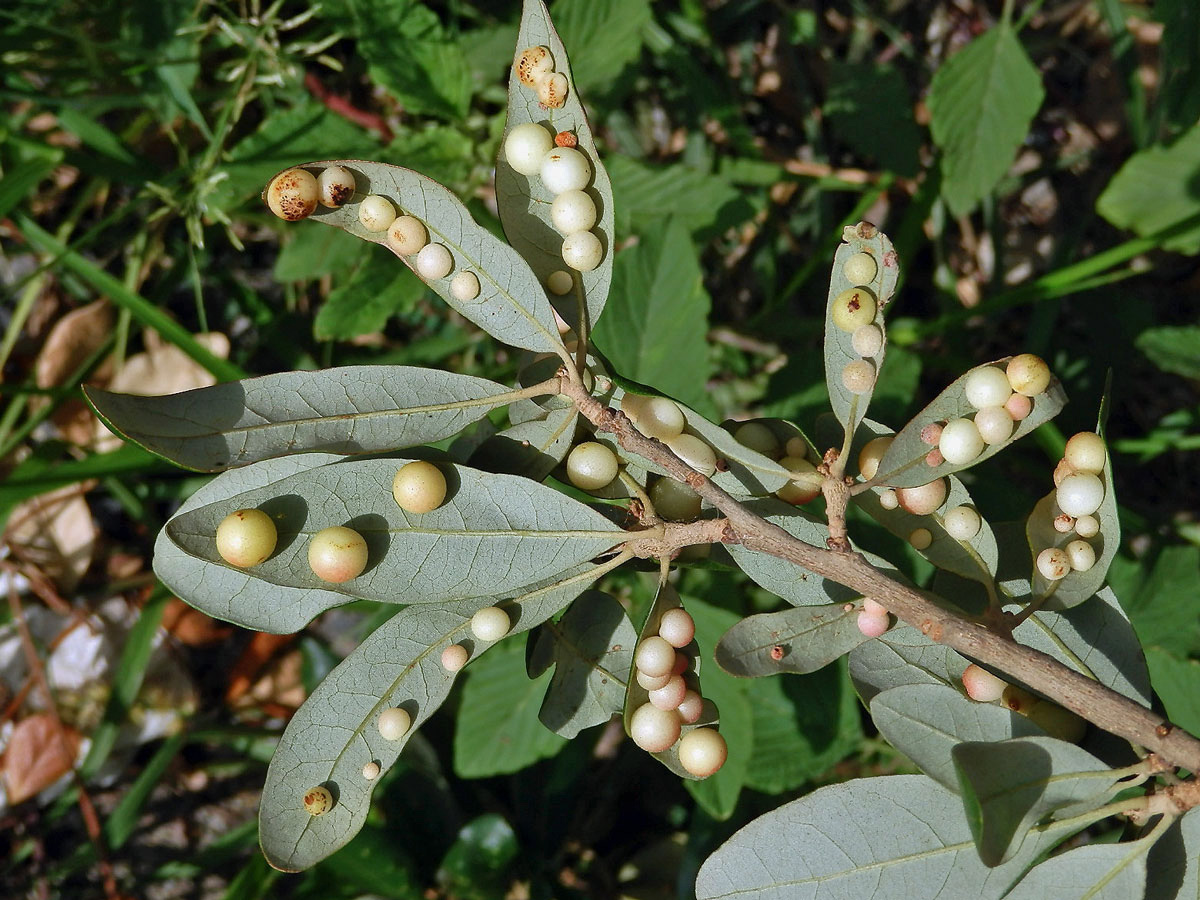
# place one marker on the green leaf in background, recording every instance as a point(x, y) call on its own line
point(1096, 872)
point(378, 290)
point(1177, 683)
point(981, 103)
point(511, 306)
point(1164, 603)
point(645, 195)
point(312, 252)
point(494, 533)
point(900, 837)
point(335, 732)
point(410, 54)
point(1179, 64)
point(476, 865)
point(1174, 867)
point(1157, 188)
point(1174, 349)
point(871, 109)
point(350, 410)
point(524, 202)
point(656, 320)
point(606, 35)
point(591, 649)
point(1007, 786)
point(807, 638)
point(497, 730)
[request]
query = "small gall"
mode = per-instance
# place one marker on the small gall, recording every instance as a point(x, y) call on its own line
point(565, 139)
point(777, 653)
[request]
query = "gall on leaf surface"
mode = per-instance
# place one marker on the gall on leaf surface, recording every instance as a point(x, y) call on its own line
point(898, 837)
point(903, 465)
point(350, 410)
point(511, 306)
point(532, 447)
point(850, 408)
point(493, 533)
point(335, 732)
point(800, 640)
point(524, 202)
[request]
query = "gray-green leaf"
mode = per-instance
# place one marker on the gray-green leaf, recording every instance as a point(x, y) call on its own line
point(805, 638)
point(357, 409)
point(1174, 869)
point(903, 656)
point(1094, 872)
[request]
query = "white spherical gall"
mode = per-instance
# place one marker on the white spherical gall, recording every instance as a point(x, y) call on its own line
point(454, 657)
point(564, 169)
point(407, 235)
point(337, 554)
point(1082, 555)
point(1063, 523)
point(960, 442)
point(671, 694)
point(654, 729)
point(702, 752)
point(652, 682)
point(419, 487)
point(1028, 374)
point(962, 523)
point(874, 607)
point(987, 386)
point(582, 251)
point(318, 800)
point(654, 656)
point(560, 282)
point(858, 377)
point(995, 424)
point(656, 417)
point(870, 455)
point(981, 685)
point(335, 186)
point(1053, 563)
point(888, 499)
point(1080, 494)
point(1019, 407)
point(923, 499)
point(591, 466)
point(434, 261)
point(673, 501)
point(1086, 452)
point(920, 538)
point(860, 268)
point(1087, 526)
point(691, 708)
point(796, 447)
point(526, 146)
point(873, 625)
point(490, 623)
point(853, 308)
point(573, 211)
point(292, 195)
point(758, 437)
point(464, 286)
point(246, 537)
point(376, 213)
point(677, 627)
point(394, 723)
point(531, 63)
point(805, 486)
point(867, 340)
point(694, 452)
point(371, 771)
point(552, 89)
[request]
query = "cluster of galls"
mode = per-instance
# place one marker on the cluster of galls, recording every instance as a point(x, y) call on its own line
point(1079, 491)
point(661, 668)
point(294, 195)
point(854, 311)
point(984, 687)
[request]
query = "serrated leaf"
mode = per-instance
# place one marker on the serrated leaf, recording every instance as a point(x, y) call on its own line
point(981, 102)
point(531, 448)
point(1008, 786)
point(378, 290)
point(1076, 587)
point(1155, 189)
point(335, 732)
point(606, 35)
point(524, 202)
point(645, 195)
point(511, 306)
point(926, 721)
point(871, 109)
point(497, 729)
point(351, 410)
point(903, 655)
point(591, 649)
point(1174, 861)
point(851, 408)
point(494, 533)
point(1095, 872)
point(807, 638)
point(903, 465)
point(900, 837)
point(658, 290)
point(312, 253)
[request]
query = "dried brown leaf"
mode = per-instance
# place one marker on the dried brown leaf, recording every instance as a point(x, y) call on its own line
point(40, 751)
